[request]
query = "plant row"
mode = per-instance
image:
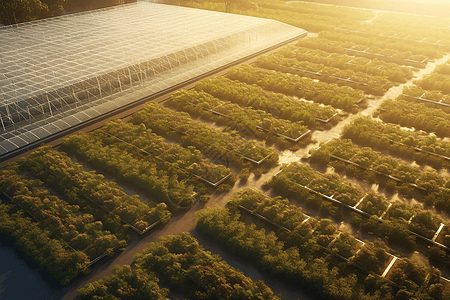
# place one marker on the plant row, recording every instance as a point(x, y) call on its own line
point(50, 253)
point(212, 142)
point(309, 22)
point(277, 104)
point(422, 147)
point(311, 17)
point(417, 115)
point(189, 158)
point(443, 68)
point(390, 220)
point(403, 177)
point(250, 122)
point(435, 81)
point(419, 49)
point(275, 209)
point(375, 67)
point(182, 263)
point(144, 160)
point(429, 97)
point(348, 14)
point(306, 257)
point(372, 52)
point(282, 212)
point(370, 84)
point(105, 200)
point(343, 97)
point(64, 221)
point(410, 28)
point(125, 283)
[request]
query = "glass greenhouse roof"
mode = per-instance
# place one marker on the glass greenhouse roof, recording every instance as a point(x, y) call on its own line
point(60, 72)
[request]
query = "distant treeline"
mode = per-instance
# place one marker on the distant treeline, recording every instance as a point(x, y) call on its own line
point(17, 11)
point(431, 9)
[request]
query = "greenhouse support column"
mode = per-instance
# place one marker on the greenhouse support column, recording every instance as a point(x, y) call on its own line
point(3, 124)
point(141, 74)
point(99, 87)
point(129, 73)
point(76, 100)
point(29, 114)
point(170, 65)
point(8, 113)
point(120, 83)
point(49, 107)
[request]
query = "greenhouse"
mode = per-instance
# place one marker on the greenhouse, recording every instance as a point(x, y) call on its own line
point(57, 73)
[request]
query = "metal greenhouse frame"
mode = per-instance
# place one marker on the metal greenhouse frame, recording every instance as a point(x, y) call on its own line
point(59, 72)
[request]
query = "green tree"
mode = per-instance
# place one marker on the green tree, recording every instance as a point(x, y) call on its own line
point(16, 11)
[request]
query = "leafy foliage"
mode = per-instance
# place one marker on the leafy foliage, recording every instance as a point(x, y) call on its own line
point(409, 114)
point(421, 51)
point(277, 104)
point(300, 259)
point(48, 252)
point(87, 188)
point(400, 142)
point(371, 84)
point(181, 262)
point(375, 67)
point(223, 145)
point(249, 122)
point(144, 160)
point(343, 97)
point(369, 51)
point(125, 283)
point(64, 221)
point(275, 209)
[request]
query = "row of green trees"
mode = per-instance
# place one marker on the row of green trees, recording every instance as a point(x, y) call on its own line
point(125, 283)
point(181, 263)
point(288, 215)
point(433, 95)
point(435, 81)
point(381, 136)
point(367, 158)
point(420, 50)
point(219, 145)
point(339, 13)
point(306, 256)
point(443, 68)
point(414, 29)
point(343, 97)
point(252, 122)
point(407, 177)
point(277, 104)
point(372, 52)
point(375, 67)
point(276, 209)
point(135, 170)
point(144, 160)
point(370, 84)
point(327, 184)
point(308, 16)
point(50, 253)
point(397, 221)
point(416, 115)
point(64, 221)
point(189, 158)
point(17, 11)
point(91, 191)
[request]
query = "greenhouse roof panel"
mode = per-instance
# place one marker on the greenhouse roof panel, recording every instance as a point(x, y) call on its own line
point(52, 68)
